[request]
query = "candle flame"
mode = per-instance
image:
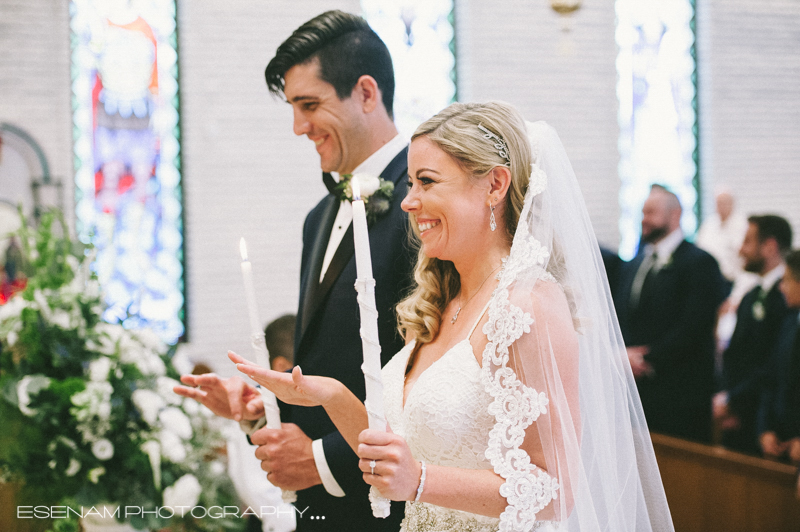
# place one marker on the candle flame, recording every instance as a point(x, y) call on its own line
point(243, 249)
point(356, 189)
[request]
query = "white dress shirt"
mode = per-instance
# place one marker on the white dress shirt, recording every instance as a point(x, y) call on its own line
point(372, 165)
point(665, 247)
point(769, 279)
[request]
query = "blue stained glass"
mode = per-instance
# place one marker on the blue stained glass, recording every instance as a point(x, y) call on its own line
point(127, 149)
point(420, 37)
point(657, 110)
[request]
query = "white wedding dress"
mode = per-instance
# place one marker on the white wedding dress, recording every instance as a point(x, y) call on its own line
point(446, 422)
point(553, 380)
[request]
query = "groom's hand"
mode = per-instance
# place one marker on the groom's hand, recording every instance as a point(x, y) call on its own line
point(287, 457)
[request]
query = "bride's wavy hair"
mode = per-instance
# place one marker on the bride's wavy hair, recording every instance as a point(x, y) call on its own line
point(455, 130)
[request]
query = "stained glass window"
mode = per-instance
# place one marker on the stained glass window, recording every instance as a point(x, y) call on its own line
point(127, 157)
point(421, 39)
point(657, 93)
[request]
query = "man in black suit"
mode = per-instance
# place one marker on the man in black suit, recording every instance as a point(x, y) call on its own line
point(779, 414)
point(337, 75)
point(758, 320)
point(667, 302)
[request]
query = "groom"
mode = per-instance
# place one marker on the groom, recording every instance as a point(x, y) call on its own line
point(337, 75)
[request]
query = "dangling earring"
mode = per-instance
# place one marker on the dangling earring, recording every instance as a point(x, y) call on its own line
point(492, 222)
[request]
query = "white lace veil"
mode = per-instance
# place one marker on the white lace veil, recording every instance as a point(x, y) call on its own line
point(570, 437)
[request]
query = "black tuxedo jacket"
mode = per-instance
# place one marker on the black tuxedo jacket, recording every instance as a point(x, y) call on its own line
point(327, 342)
point(745, 363)
point(780, 400)
point(675, 318)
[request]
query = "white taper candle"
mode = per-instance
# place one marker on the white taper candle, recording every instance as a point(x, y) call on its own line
point(259, 345)
point(365, 286)
point(258, 342)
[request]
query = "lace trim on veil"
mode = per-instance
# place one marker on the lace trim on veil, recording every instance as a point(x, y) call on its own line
point(527, 488)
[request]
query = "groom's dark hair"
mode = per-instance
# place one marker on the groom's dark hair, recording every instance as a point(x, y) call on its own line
point(346, 47)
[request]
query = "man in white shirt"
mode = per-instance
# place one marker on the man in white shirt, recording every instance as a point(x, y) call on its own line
point(337, 75)
point(758, 321)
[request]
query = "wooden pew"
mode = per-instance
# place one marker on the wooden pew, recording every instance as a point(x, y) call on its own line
point(711, 489)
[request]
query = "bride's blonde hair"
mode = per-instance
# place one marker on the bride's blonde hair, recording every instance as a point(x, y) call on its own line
point(455, 130)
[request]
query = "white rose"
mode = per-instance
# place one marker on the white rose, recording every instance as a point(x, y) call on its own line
point(151, 364)
point(103, 449)
point(92, 289)
point(13, 308)
point(149, 403)
point(73, 467)
point(191, 407)
point(165, 386)
point(104, 410)
point(172, 447)
point(185, 492)
point(61, 318)
point(150, 339)
point(99, 368)
point(95, 474)
point(217, 468)
point(72, 262)
point(367, 183)
point(176, 420)
point(41, 301)
point(12, 337)
point(26, 387)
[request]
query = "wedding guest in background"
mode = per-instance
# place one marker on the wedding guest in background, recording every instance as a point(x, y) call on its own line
point(779, 415)
point(667, 305)
point(337, 75)
point(279, 335)
point(722, 233)
point(759, 318)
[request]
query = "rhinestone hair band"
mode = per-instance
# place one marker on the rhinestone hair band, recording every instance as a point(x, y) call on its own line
point(499, 144)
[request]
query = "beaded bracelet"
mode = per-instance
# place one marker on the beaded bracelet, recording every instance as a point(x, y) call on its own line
point(421, 481)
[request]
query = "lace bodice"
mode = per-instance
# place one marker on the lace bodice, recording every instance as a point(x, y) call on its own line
point(446, 422)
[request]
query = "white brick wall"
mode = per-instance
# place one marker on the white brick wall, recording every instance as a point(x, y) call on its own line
point(517, 52)
point(246, 174)
point(750, 97)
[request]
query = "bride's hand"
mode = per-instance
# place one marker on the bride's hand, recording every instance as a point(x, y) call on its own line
point(295, 389)
point(396, 473)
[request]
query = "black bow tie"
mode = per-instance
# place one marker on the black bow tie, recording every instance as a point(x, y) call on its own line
point(330, 183)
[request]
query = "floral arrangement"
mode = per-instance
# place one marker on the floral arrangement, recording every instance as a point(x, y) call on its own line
point(375, 191)
point(89, 415)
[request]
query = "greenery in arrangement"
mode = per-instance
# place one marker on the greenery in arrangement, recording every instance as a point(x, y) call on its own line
point(376, 193)
point(88, 412)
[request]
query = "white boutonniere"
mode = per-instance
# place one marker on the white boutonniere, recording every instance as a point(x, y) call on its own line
point(759, 312)
point(375, 191)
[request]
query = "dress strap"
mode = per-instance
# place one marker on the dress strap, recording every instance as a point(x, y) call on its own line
point(479, 319)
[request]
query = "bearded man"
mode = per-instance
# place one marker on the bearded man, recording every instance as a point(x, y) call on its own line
point(758, 321)
point(667, 303)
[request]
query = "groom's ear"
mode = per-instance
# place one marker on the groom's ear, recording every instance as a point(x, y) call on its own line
point(499, 181)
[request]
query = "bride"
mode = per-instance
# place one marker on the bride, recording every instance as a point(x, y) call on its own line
point(512, 406)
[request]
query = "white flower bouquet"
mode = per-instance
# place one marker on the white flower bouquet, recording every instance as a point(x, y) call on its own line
point(87, 407)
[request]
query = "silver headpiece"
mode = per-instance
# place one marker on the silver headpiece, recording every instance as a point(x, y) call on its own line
point(499, 144)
